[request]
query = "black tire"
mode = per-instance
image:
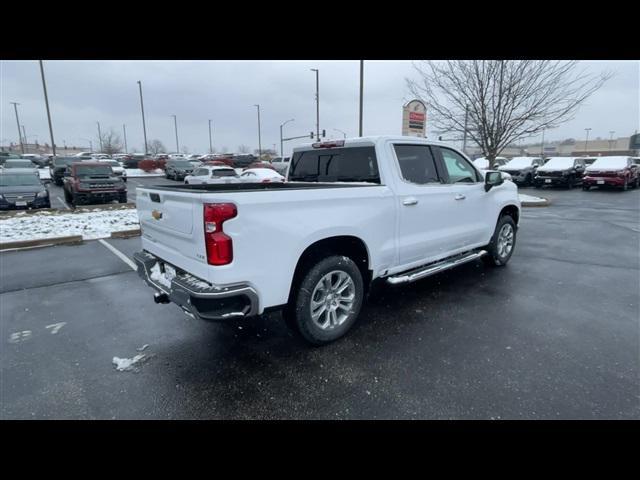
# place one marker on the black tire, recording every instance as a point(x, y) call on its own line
point(636, 184)
point(74, 200)
point(67, 197)
point(570, 183)
point(494, 257)
point(538, 185)
point(298, 314)
point(528, 180)
point(586, 188)
point(625, 185)
point(122, 198)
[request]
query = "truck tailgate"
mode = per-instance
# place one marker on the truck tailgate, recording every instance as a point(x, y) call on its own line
point(172, 228)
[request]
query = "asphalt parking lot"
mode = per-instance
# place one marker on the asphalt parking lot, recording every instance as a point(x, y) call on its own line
point(553, 335)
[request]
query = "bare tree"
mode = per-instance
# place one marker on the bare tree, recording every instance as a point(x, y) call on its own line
point(185, 149)
point(243, 149)
point(496, 102)
point(110, 141)
point(155, 147)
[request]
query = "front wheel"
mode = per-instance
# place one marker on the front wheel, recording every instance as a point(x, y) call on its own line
point(503, 242)
point(625, 185)
point(327, 301)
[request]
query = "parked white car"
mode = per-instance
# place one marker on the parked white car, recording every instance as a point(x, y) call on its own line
point(261, 175)
point(394, 209)
point(483, 163)
point(117, 168)
point(281, 164)
point(212, 174)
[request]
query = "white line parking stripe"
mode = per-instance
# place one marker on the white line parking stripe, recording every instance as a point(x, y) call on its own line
point(119, 254)
point(64, 203)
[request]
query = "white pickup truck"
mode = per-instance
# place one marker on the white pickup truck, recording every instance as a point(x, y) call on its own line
point(389, 209)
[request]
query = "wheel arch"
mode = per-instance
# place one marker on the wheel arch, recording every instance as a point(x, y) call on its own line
point(512, 210)
point(348, 245)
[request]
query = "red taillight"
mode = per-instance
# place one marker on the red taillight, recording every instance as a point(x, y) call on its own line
point(219, 245)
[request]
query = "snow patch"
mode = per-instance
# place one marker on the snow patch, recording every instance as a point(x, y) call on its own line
point(91, 225)
point(158, 276)
point(531, 199)
point(44, 173)
point(126, 364)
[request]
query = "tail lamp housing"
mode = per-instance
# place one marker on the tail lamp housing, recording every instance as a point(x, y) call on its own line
point(219, 245)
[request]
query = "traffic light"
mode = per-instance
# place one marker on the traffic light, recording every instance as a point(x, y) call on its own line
point(311, 136)
point(324, 133)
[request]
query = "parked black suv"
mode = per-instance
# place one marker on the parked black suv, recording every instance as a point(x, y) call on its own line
point(58, 167)
point(243, 161)
point(178, 169)
point(565, 171)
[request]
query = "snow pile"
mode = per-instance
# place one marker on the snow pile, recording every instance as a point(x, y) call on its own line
point(126, 364)
point(91, 225)
point(136, 172)
point(44, 173)
point(531, 199)
point(158, 276)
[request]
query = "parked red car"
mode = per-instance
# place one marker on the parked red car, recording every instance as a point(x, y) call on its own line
point(260, 165)
point(620, 172)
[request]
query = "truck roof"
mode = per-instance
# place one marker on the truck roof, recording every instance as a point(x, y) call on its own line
point(371, 140)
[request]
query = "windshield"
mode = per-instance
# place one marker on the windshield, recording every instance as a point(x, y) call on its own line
point(612, 162)
point(93, 170)
point(559, 163)
point(348, 164)
point(184, 164)
point(18, 164)
point(60, 162)
point(520, 162)
point(19, 179)
point(224, 173)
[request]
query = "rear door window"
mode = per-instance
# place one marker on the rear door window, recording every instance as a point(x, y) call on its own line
point(350, 164)
point(417, 164)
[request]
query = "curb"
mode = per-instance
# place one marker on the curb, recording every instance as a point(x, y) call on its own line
point(536, 204)
point(81, 209)
point(70, 240)
point(126, 233)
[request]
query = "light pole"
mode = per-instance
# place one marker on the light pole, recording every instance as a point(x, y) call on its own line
point(124, 131)
point(144, 128)
point(586, 140)
point(24, 135)
point(344, 135)
point(611, 132)
point(100, 136)
point(317, 103)
point(46, 102)
point(281, 141)
point(361, 94)
point(210, 140)
point(15, 107)
point(259, 137)
point(175, 124)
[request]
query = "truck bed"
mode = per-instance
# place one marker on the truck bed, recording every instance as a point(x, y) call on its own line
point(249, 187)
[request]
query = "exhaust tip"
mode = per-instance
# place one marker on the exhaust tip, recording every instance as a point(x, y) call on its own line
point(161, 298)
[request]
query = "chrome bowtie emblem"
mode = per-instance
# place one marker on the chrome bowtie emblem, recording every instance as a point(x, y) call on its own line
point(156, 214)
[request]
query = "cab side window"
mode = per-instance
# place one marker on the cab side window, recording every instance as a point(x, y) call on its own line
point(417, 164)
point(458, 168)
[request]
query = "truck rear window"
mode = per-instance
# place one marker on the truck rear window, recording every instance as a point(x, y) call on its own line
point(349, 164)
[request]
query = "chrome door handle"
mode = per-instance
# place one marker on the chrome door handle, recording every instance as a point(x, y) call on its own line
point(459, 197)
point(410, 201)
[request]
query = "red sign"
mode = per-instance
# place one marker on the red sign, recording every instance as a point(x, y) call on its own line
point(416, 117)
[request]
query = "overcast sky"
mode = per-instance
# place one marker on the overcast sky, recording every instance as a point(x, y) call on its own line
point(82, 93)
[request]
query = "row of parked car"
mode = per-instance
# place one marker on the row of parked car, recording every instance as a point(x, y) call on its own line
point(20, 184)
point(608, 171)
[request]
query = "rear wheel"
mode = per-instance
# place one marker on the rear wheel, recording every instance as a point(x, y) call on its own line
point(327, 301)
point(502, 244)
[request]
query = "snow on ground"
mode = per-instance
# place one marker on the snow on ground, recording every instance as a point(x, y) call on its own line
point(136, 172)
point(126, 364)
point(91, 225)
point(531, 199)
point(44, 173)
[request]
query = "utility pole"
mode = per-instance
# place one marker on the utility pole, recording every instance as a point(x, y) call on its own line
point(210, 140)
point(144, 128)
point(611, 132)
point(100, 136)
point(361, 94)
point(466, 121)
point(175, 124)
point(281, 140)
point(46, 102)
point(24, 135)
point(15, 107)
point(259, 138)
point(317, 103)
point(124, 130)
point(586, 140)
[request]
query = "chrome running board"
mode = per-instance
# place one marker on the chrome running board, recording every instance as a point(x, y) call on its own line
point(433, 268)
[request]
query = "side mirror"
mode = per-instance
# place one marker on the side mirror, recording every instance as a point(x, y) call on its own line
point(492, 179)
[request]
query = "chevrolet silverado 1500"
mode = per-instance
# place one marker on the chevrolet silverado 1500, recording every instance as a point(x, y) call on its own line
point(354, 211)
